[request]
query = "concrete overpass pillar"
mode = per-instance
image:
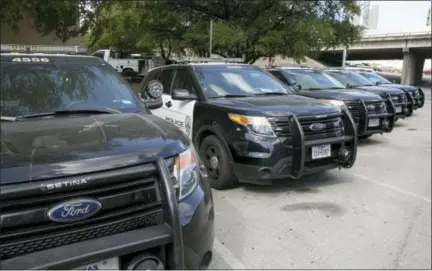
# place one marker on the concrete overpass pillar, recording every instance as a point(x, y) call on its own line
point(408, 67)
point(418, 72)
point(412, 68)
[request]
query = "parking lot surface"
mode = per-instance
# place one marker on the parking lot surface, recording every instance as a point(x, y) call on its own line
point(376, 215)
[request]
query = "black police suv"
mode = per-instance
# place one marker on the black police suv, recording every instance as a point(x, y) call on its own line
point(246, 125)
point(90, 179)
point(415, 96)
point(354, 80)
point(371, 113)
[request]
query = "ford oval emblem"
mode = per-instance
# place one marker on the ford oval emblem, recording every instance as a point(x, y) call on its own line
point(74, 210)
point(316, 127)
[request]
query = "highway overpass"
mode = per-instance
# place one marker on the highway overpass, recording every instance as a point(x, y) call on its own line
point(413, 48)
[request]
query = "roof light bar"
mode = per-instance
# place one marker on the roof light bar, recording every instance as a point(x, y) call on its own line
point(53, 49)
point(209, 60)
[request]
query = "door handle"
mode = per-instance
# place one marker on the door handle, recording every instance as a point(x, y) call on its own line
point(168, 104)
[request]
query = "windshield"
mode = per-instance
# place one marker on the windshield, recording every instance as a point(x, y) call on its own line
point(376, 78)
point(312, 79)
point(33, 88)
point(237, 80)
point(351, 78)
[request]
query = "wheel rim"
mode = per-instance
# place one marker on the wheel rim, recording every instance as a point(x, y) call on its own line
point(212, 158)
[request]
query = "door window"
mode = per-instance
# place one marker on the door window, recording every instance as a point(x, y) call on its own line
point(279, 76)
point(166, 79)
point(183, 80)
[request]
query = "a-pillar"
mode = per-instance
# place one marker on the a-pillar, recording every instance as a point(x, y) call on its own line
point(412, 69)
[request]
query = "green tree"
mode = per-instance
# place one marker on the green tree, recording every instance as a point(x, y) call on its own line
point(255, 29)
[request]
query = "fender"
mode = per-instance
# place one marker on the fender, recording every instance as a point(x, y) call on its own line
point(217, 130)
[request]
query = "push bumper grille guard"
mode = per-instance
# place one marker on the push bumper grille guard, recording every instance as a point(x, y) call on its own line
point(411, 104)
point(364, 111)
point(422, 98)
point(299, 144)
point(390, 101)
point(93, 250)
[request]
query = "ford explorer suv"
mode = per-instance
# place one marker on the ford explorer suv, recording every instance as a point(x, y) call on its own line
point(248, 127)
point(90, 179)
point(353, 80)
point(371, 113)
point(415, 96)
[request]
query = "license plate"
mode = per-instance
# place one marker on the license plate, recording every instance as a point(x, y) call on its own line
point(321, 151)
point(374, 122)
point(398, 109)
point(108, 264)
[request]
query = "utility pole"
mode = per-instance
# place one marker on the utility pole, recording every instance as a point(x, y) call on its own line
point(211, 38)
point(344, 56)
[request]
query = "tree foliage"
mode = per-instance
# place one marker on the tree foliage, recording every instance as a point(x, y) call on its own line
point(249, 29)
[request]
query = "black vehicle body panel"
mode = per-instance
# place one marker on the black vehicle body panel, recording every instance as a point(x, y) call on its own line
point(254, 152)
point(258, 159)
point(356, 101)
point(418, 100)
point(124, 160)
point(388, 93)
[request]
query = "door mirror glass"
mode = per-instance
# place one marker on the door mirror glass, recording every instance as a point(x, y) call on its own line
point(296, 87)
point(182, 95)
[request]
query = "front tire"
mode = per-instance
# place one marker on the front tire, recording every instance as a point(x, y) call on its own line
point(216, 159)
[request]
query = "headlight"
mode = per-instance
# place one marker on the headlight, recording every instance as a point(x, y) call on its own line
point(416, 93)
point(258, 125)
point(186, 172)
point(334, 102)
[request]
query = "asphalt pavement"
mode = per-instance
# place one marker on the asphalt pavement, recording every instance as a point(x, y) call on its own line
point(376, 215)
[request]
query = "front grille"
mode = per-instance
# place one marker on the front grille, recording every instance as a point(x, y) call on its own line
point(128, 203)
point(376, 107)
point(280, 125)
point(333, 127)
point(354, 108)
point(399, 99)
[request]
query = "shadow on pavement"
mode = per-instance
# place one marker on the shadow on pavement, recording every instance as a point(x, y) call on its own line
point(371, 141)
point(306, 184)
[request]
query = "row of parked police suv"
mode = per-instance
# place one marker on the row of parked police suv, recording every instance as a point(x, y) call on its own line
point(95, 176)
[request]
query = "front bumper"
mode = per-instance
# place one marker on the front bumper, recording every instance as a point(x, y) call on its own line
point(295, 159)
point(385, 120)
point(178, 244)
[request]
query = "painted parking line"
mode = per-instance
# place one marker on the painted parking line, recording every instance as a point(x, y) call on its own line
point(232, 261)
point(394, 188)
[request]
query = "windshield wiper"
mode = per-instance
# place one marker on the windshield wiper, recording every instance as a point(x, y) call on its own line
point(335, 88)
point(312, 89)
point(232, 96)
point(70, 112)
point(270, 93)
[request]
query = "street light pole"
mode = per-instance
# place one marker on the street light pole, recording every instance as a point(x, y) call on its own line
point(211, 38)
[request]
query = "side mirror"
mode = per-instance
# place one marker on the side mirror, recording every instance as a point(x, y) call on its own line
point(182, 95)
point(151, 95)
point(348, 85)
point(377, 83)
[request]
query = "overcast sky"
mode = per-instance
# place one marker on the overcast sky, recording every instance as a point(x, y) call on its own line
point(402, 16)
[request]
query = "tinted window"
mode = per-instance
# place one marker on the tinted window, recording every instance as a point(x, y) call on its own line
point(32, 88)
point(183, 80)
point(312, 79)
point(375, 77)
point(218, 81)
point(351, 78)
point(166, 79)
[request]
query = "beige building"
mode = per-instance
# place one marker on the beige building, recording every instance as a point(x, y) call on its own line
point(28, 35)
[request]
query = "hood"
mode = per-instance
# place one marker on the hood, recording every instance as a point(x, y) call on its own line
point(61, 146)
point(381, 90)
point(275, 105)
point(341, 94)
point(400, 87)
